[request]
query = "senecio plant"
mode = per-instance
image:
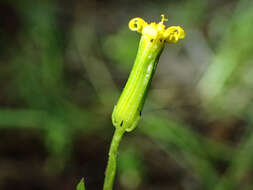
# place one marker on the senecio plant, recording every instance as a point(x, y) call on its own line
point(127, 112)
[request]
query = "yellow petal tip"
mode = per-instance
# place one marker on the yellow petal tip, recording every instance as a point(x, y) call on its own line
point(137, 24)
point(174, 33)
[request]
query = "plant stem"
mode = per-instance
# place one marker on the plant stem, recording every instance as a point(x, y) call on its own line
point(112, 161)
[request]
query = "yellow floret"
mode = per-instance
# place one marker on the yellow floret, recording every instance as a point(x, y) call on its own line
point(154, 31)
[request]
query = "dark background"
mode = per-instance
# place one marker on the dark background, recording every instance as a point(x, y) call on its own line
point(63, 65)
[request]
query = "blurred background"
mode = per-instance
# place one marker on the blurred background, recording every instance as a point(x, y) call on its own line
point(63, 65)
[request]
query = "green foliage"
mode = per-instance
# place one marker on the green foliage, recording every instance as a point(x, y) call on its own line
point(124, 44)
point(131, 168)
point(80, 185)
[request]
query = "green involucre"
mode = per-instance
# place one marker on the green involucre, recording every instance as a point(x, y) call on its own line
point(127, 112)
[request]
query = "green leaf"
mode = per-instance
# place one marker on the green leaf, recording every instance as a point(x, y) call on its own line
point(80, 185)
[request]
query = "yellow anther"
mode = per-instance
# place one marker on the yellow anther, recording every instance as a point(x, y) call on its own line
point(163, 19)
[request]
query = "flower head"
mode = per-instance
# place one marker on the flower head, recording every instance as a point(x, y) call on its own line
point(156, 31)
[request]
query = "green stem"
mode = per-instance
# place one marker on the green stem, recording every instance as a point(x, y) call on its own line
point(112, 161)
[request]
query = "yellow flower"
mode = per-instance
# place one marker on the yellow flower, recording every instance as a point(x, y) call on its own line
point(156, 32)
